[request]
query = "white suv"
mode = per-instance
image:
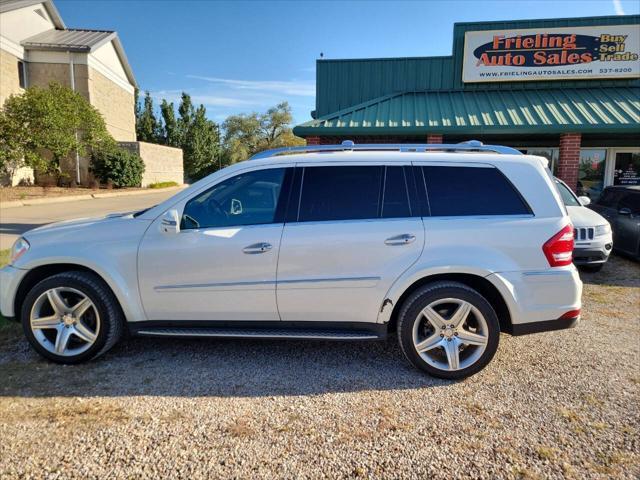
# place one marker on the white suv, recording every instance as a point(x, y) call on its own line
point(447, 245)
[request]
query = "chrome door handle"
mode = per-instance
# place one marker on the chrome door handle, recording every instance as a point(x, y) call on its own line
point(257, 248)
point(400, 239)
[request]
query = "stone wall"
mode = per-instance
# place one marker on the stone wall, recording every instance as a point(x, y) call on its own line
point(115, 104)
point(9, 80)
point(162, 163)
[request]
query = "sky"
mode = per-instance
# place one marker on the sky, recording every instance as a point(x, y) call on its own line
point(245, 56)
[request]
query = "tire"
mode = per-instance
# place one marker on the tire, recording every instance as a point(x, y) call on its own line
point(592, 268)
point(86, 332)
point(480, 325)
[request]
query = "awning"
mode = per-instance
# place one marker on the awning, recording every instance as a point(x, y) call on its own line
point(543, 111)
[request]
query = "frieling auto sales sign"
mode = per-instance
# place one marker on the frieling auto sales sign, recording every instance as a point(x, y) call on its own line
point(552, 54)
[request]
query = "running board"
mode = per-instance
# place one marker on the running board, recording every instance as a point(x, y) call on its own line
point(300, 334)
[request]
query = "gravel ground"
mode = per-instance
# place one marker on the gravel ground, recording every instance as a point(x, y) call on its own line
point(552, 405)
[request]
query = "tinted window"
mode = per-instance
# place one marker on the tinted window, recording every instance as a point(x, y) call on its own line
point(395, 196)
point(610, 197)
point(22, 78)
point(632, 202)
point(455, 191)
point(340, 193)
point(247, 199)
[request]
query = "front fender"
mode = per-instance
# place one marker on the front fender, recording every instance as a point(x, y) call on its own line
point(125, 289)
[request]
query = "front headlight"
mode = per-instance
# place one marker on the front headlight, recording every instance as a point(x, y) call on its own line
point(603, 230)
point(19, 248)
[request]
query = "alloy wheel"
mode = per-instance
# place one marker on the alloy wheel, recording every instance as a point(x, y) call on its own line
point(450, 334)
point(64, 321)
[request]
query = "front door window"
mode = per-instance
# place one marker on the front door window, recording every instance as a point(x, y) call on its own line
point(627, 168)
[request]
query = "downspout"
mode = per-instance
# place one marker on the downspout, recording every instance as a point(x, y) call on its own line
point(72, 73)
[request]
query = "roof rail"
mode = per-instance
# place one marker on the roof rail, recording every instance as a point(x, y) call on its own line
point(349, 145)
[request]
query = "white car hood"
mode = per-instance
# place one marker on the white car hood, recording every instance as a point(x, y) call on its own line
point(75, 223)
point(585, 217)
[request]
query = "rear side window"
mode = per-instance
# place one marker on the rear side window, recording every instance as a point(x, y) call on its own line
point(340, 193)
point(395, 196)
point(460, 191)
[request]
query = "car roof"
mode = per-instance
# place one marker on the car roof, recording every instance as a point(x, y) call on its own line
point(400, 157)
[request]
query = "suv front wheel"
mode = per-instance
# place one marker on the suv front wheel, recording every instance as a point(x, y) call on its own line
point(448, 330)
point(71, 317)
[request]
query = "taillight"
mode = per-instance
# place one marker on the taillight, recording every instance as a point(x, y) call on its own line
point(559, 248)
point(571, 314)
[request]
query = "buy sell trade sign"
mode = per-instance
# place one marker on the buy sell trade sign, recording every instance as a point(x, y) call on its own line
point(552, 54)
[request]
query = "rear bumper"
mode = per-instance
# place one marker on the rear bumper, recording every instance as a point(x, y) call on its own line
point(546, 326)
point(535, 297)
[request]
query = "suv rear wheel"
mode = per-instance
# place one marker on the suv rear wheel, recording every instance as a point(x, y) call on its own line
point(71, 317)
point(448, 330)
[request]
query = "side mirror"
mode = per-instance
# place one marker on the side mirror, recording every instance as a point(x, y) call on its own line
point(170, 222)
point(624, 211)
point(584, 201)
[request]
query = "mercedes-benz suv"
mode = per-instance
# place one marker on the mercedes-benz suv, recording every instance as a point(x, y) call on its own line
point(445, 245)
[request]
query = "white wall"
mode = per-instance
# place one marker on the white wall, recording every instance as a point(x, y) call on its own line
point(17, 25)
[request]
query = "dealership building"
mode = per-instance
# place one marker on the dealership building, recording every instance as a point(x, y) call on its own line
point(566, 89)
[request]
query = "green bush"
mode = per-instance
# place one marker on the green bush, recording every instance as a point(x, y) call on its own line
point(121, 167)
point(163, 184)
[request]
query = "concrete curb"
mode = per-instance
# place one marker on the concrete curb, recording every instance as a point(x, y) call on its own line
point(91, 196)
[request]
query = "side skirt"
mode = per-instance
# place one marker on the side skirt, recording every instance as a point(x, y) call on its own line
point(268, 330)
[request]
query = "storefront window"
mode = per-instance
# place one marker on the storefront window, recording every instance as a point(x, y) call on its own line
point(550, 154)
point(591, 172)
point(627, 169)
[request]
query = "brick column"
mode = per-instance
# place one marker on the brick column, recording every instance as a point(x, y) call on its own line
point(313, 140)
point(569, 160)
point(434, 138)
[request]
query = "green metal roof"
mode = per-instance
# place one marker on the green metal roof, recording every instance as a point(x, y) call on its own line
point(601, 110)
point(343, 83)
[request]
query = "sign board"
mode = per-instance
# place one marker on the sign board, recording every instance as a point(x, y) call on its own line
point(567, 53)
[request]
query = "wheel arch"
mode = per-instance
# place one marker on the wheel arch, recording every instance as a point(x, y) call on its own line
point(479, 283)
point(41, 272)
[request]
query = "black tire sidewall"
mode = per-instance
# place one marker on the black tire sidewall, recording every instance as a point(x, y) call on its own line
point(429, 294)
point(91, 289)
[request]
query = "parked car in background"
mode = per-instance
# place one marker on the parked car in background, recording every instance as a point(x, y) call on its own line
point(592, 232)
point(447, 245)
point(620, 205)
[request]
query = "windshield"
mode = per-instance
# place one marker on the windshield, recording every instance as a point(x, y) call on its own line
point(569, 199)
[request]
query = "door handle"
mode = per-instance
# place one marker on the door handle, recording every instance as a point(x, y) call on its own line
point(257, 248)
point(403, 239)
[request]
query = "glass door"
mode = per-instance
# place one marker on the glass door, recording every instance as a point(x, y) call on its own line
point(626, 169)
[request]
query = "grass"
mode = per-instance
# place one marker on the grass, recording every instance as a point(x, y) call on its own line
point(162, 185)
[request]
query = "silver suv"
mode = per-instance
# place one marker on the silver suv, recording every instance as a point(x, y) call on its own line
point(447, 245)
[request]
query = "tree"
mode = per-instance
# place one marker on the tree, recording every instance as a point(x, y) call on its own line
point(201, 145)
point(246, 134)
point(148, 129)
point(171, 134)
point(55, 119)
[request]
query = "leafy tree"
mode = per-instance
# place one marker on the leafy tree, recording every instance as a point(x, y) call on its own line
point(246, 134)
point(148, 128)
point(55, 120)
point(119, 166)
point(172, 135)
point(201, 145)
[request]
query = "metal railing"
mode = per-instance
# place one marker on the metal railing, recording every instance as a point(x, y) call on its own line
point(348, 146)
